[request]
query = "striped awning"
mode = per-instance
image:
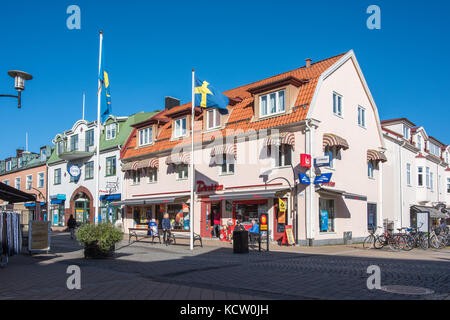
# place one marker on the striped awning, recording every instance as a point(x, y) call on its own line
point(148, 163)
point(283, 138)
point(128, 166)
point(224, 149)
point(374, 155)
point(181, 158)
point(332, 140)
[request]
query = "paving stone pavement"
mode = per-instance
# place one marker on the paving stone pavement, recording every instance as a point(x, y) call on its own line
point(144, 271)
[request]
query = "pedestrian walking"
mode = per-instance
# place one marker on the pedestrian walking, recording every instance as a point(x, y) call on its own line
point(165, 224)
point(72, 223)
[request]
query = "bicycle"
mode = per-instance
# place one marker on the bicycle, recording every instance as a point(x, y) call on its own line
point(372, 241)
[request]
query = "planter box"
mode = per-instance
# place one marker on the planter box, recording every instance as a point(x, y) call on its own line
point(94, 252)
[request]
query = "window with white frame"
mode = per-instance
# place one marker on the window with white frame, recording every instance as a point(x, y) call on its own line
point(17, 183)
point(408, 174)
point(145, 136)
point(337, 104)
point(331, 152)
point(434, 150)
point(89, 170)
point(446, 157)
point(89, 139)
point(152, 174)
point(43, 156)
point(74, 143)
point(227, 165)
point(361, 117)
point(405, 132)
point(419, 142)
point(420, 176)
point(29, 182)
point(20, 162)
point(136, 177)
point(272, 103)
point(41, 180)
point(182, 171)
point(431, 181)
point(212, 119)
point(57, 176)
point(370, 169)
point(283, 155)
point(110, 166)
point(8, 165)
point(59, 147)
point(111, 131)
point(180, 127)
point(427, 176)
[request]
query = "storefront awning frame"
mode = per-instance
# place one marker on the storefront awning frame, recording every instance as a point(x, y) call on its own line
point(434, 213)
point(246, 195)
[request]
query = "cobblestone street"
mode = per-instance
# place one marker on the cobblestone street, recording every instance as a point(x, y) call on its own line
point(152, 271)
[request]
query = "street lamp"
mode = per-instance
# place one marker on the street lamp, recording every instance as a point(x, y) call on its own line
point(19, 84)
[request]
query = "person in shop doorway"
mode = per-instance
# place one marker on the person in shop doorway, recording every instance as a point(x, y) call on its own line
point(216, 223)
point(72, 223)
point(165, 224)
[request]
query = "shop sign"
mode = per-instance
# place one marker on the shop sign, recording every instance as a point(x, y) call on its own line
point(74, 170)
point(329, 184)
point(323, 178)
point(263, 222)
point(288, 237)
point(304, 179)
point(202, 187)
point(323, 220)
point(282, 206)
point(305, 160)
point(322, 161)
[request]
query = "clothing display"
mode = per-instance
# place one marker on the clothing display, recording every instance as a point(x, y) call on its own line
point(10, 233)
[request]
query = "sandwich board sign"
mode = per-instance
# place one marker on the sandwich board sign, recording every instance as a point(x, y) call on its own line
point(39, 236)
point(423, 219)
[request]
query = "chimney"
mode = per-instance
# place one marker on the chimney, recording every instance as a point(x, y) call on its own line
point(308, 62)
point(171, 102)
point(19, 152)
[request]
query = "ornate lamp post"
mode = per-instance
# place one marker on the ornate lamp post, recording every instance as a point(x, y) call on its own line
point(19, 84)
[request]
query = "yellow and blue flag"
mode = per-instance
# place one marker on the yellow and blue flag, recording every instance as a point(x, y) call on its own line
point(106, 107)
point(208, 97)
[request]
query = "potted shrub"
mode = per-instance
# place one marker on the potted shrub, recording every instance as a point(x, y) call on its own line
point(99, 240)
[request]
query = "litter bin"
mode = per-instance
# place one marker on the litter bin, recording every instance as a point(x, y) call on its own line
point(240, 241)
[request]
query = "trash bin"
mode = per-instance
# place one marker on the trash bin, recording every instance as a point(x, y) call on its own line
point(240, 241)
point(348, 237)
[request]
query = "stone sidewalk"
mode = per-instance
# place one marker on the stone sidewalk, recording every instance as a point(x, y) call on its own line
point(152, 271)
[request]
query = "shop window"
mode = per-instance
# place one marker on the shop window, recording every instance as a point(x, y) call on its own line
point(152, 174)
point(227, 164)
point(110, 166)
point(326, 215)
point(142, 215)
point(371, 216)
point(89, 170)
point(246, 212)
point(182, 171)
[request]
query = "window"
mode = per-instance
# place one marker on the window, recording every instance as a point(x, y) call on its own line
point(145, 136)
point(405, 132)
point(331, 153)
point(57, 176)
point(18, 183)
point(361, 116)
point(182, 171)
point(29, 182)
point(212, 119)
point(43, 155)
point(89, 170)
point(283, 155)
point(89, 139)
point(6, 182)
point(180, 128)
point(337, 104)
point(448, 185)
point(420, 176)
point(41, 180)
point(371, 216)
point(419, 142)
point(427, 176)
point(408, 174)
point(136, 176)
point(152, 174)
point(434, 150)
point(20, 162)
point(326, 215)
point(59, 147)
point(110, 166)
point(227, 166)
point(446, 157)
point(74, 143)
point(110, 131)
point(8, 165)
point(272, 103)
point(431, 181)
point(370, 170)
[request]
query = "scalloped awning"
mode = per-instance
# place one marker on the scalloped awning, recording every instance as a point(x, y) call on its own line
point(224, 149)
point(376, 156)
point(283, 138)
point(333, 140)
point(181, 158)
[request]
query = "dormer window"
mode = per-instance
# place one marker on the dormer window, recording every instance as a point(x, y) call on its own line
point(434, 149)
point(59, 147)
point(8, 165)
point(405, 132)
point(212, 119)
point(145, 136)
point(20, 162)
point(43, 155)
point(272, 103)
point(180, 127)
point(419, 142)
point(110, 131)
point(74, 143)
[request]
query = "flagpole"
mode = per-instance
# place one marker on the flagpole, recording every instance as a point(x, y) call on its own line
point(191, 208)
point(97, 161)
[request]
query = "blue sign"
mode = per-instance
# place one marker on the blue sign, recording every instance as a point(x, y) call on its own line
point(304, 179)
point(323, 220)
point(73, 170)
point(323, 178)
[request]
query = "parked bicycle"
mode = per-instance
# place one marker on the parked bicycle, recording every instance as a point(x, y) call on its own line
point(395, 241)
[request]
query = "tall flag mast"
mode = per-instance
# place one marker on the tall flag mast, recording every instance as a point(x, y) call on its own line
point(97, 161)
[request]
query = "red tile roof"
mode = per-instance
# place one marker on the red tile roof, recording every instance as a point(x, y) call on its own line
point(241, 113)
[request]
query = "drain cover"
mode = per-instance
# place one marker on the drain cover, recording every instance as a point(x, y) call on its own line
point(407, 290)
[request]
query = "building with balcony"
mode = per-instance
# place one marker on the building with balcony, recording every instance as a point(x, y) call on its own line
point(71, 170)
point(27, 171)
point(247, 162)
point(418, 177)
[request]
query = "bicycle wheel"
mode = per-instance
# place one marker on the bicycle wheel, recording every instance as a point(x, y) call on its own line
point(424, 243)
point(393, 243)
point(369, 242)
point(409, 243)
point(401, 242)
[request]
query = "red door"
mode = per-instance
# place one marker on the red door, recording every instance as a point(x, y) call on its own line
point(280, 220)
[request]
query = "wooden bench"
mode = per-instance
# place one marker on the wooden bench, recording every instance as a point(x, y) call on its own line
point(174, 234)
point(135, 232)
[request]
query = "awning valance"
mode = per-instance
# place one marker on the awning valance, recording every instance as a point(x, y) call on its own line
point(224, 149)
point(246, 195)
point(374, 155)
point(434, 213)
point(283, 138)
point(181, 158)
point(332, 140)
point(129, 166)
point(148, 163)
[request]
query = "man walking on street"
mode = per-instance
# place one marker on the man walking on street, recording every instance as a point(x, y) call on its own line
point(72, 223)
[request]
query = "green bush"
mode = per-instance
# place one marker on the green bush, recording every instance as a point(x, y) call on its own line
point(105, 235)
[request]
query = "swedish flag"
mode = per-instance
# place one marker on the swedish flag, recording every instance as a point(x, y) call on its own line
point(207, 97)
point(106, 108)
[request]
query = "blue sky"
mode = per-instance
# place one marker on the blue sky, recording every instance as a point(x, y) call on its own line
point(151, 47)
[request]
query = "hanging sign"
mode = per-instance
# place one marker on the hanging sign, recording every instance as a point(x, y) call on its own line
point(263, 222)
point(322, 161)
point(74, 170)
point(282, 205)
point(323, 178)
point(305, 160)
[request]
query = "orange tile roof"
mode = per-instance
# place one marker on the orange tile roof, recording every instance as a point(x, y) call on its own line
point(241, 113)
